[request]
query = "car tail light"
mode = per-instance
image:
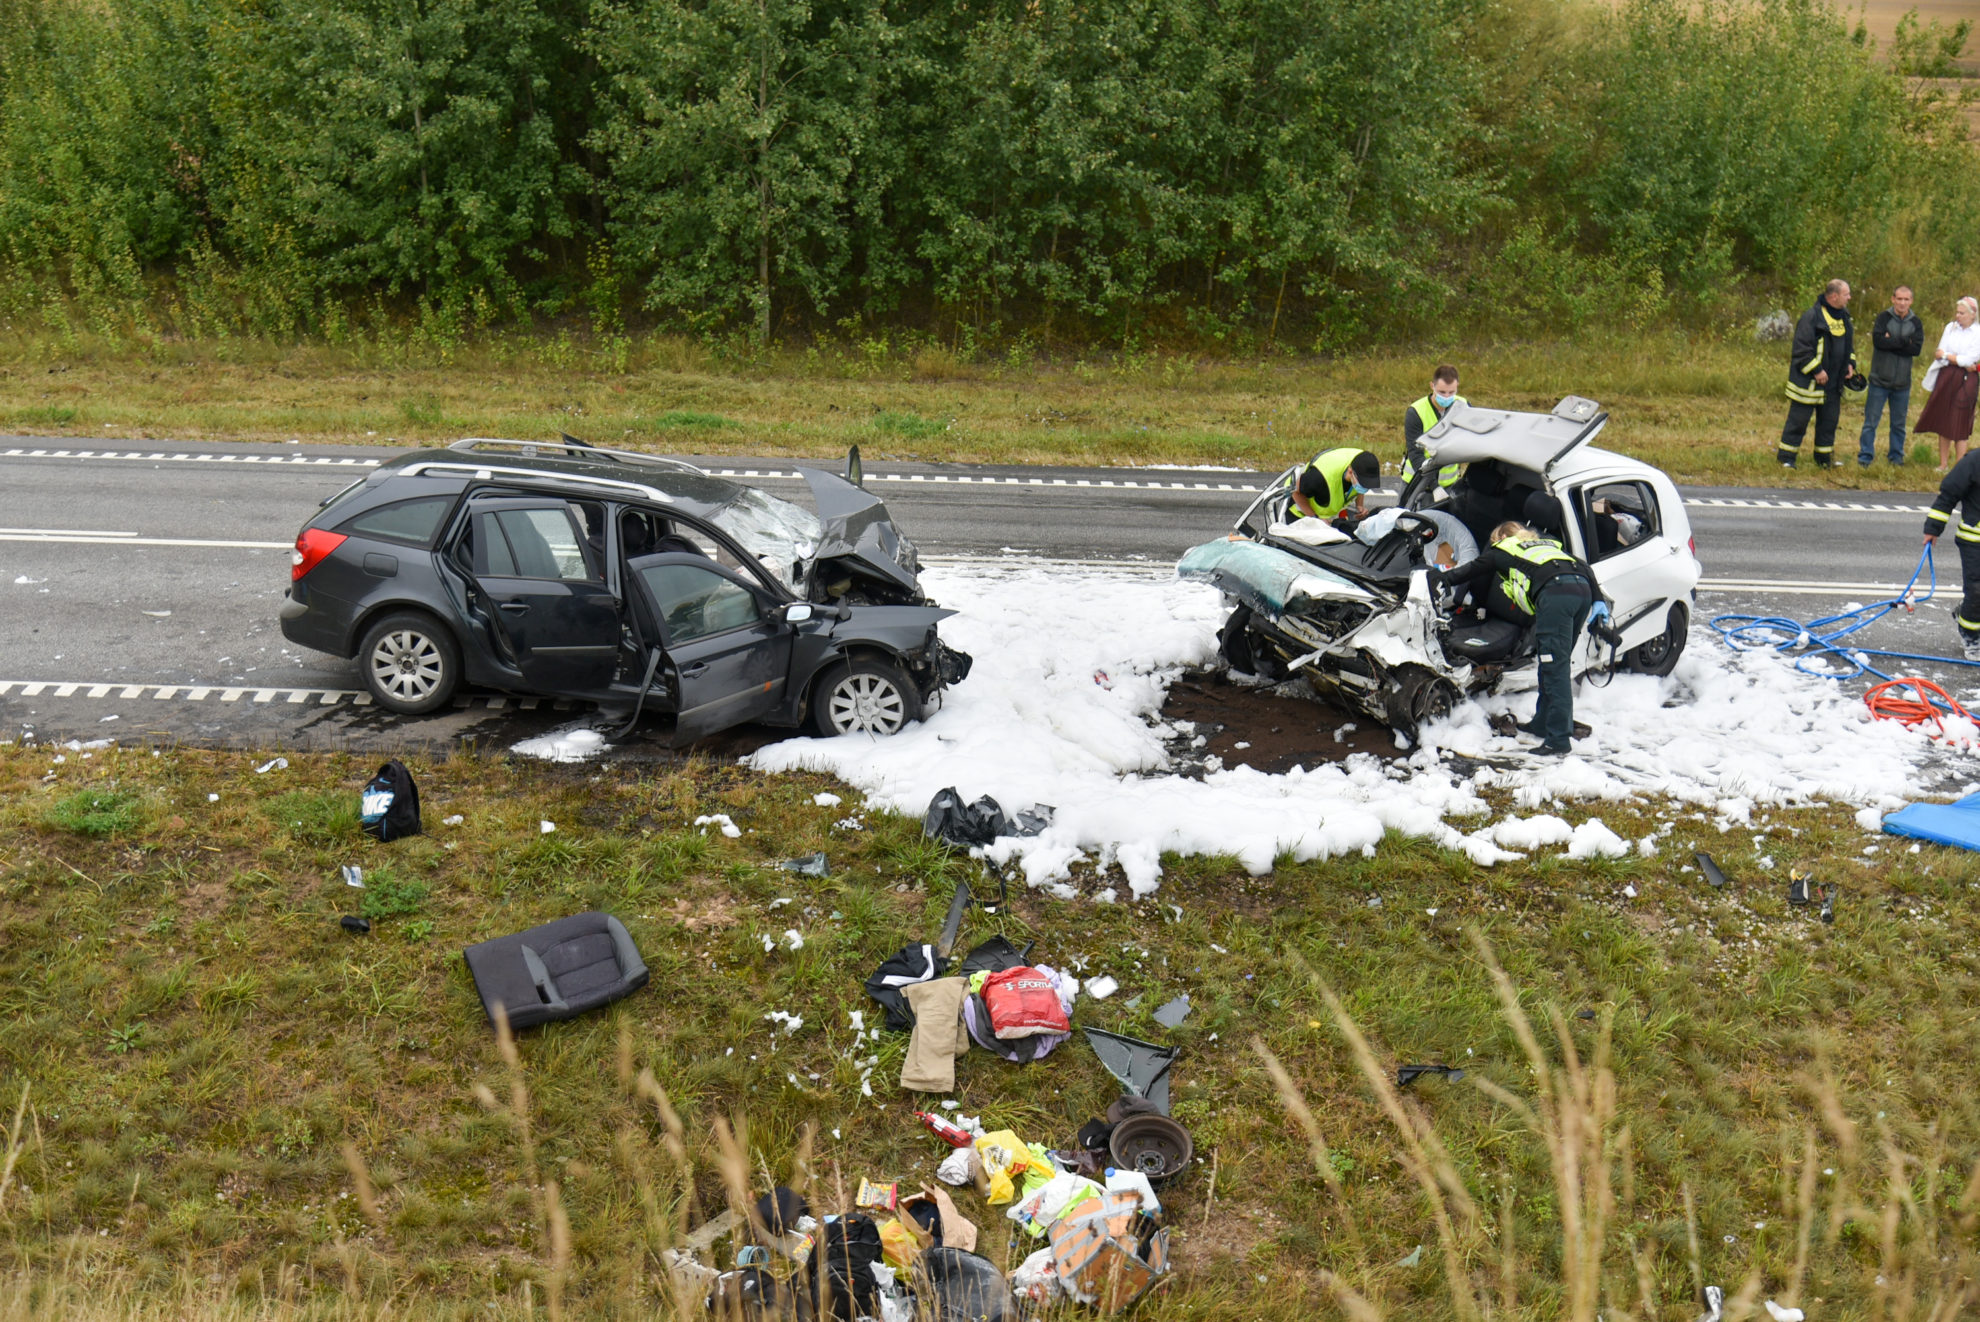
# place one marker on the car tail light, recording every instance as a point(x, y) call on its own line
point(312, 544)
point(1691, 544)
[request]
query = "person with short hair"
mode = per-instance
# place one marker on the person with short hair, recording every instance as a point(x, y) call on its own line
point(1952, 383)
point(1331, 481)
point(1426, 413)
point(1542, 585)
point(1896, 337)
point(1822, 357)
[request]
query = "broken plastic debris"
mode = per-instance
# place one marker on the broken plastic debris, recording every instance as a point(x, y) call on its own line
point(545, 828)
point(1713, 875)
point(1780, 1314)
point(213, 798)
point(811, 865)
point(279, 764)
point(352, 923)
point(1798, 889)
point(791, 1022)
point(1715, 1304)
point(455, 820)
point(721, 819)
point(1415, 1258)
point(793, 939)
point(1142, 1067)
point(1172, 1014)
point(1408, 1074)
point(1102, 987)
point(354, 875)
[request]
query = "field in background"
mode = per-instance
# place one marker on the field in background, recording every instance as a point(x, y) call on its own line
point(1782, 1108)
point(1706, 410)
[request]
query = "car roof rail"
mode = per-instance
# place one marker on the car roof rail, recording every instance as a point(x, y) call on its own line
point(575, 449)
point(488, 472)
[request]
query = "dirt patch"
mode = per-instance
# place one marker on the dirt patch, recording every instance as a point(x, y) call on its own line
point(708, 909)
point(1268, 729)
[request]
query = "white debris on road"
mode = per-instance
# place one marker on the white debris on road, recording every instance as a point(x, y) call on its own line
point(1726, 732)
point(566, 743)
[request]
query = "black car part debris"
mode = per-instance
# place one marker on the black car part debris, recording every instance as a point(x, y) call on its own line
point(1825, 895)
point(994, 956)
point(1142, 1067)
point(968, 825)
point(556, 971)
point(1711, 871)
point(1408, 1074)
point(355, 925)
point(1154, 1145)
point(1798, 892)
point(945, 942)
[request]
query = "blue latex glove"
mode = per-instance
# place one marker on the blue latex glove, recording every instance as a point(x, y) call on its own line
point(1598, 612)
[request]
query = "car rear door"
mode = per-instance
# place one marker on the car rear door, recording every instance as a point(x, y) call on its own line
point(552, 607)
point(727, 645)
point(1624, 539)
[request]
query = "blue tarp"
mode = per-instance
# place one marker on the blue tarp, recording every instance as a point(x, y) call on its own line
point(1956, 823)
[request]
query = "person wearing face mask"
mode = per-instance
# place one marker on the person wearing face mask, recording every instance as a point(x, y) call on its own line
point(1952, 383)
point(1332, 481)
point(1426, 413)
point(1822, 358)
point(1895, 339)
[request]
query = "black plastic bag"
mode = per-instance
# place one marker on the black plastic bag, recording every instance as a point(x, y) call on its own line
point(840, 1275)
point(964, 825)
point(953, 1286)
point(390, 806)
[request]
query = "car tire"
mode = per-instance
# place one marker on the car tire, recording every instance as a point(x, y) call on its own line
point(864, 696)
point(1660, 655)
point(410, 662)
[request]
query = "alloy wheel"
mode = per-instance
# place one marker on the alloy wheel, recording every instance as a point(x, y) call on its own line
point(407, 665)
point(868, 703)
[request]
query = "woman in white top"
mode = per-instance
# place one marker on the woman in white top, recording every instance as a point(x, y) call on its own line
point(1952, 383)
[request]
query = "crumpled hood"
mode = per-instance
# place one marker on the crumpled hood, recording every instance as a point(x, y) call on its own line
point(1264, 577)
point(854, 525)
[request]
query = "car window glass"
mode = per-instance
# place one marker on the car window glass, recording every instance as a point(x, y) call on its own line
point(696, 602)
point(1618, 515)
point(542, 543)
point(404, 521)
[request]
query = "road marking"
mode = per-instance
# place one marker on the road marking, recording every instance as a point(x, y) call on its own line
point(173, 457)
point(130, 539)
point(86, 691)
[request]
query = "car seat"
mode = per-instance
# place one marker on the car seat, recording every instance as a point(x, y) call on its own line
point(556, 971)
point(1483, 640)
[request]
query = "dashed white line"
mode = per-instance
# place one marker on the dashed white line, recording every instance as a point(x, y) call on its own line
point(174, 457)
point(244, 695)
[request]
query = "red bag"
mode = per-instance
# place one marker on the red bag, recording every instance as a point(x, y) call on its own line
point(1023, 1003)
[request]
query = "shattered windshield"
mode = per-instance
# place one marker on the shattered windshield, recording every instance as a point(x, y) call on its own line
point(782, 536)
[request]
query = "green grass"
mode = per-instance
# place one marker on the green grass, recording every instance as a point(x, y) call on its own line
point(198, 1040)
point(96, 812)
point(1706, 407)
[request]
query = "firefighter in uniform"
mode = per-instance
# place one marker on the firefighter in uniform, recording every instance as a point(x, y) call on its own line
point(1426, 413)
point(1961, 487)
point(1331, 481)
point(1822, 358)
point(1540, 585)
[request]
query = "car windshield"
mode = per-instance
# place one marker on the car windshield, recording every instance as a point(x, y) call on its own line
point(783, 537)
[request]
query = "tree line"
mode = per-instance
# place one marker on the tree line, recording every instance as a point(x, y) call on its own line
point(1300, 172)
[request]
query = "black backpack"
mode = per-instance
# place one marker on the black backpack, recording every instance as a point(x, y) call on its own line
point(390, 807)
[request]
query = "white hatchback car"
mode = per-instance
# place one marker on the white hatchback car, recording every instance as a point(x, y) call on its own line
point(1353, 612)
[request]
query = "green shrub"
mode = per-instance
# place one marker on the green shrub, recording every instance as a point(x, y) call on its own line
point(388, 896)
point(97, 813)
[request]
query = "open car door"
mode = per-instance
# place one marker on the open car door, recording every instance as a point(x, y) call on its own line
point(726, 644)
point(552, 608)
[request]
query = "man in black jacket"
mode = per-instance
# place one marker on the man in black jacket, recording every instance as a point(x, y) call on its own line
point(1895, 339)
point(1961, 487)
point(1823, 355)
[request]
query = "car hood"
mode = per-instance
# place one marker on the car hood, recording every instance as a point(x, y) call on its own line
point(853, 524)
point(1264, 577)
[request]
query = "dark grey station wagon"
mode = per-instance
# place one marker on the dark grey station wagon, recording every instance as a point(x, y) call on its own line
point(639, 582)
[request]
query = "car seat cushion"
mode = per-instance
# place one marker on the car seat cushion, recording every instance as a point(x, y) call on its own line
point(557, 970)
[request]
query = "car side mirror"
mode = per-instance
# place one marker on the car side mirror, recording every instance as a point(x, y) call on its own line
point(797, 612)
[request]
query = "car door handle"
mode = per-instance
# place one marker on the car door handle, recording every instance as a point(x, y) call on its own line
point(516, 606)
point(696, 670)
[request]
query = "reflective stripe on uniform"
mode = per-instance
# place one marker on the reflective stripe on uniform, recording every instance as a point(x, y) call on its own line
point(1967, 532)
point(1940, 516)
point(1804, 394)
point(1333, 465)
point(1965, 623)
point(1813, 365)
point(1518, 587)
point(1426, 413)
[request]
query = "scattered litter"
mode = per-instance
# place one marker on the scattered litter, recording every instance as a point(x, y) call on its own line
point(1142, 1067)
point(721, 819)
point(791, 1022)
point(826, 800)
point(1102, 678)
point(107, 719)
point(1408, 1074)
point(969, 825)
point(545, 827)
point(352, 923)
point(1712, 875)
point(1825, 895)
point(1629, 891)
point(1414, 1259)
point(793, 939)
point(211, 798)
point(1173, 1014)
point(1797, 891)
point(279, 764)
point(947, 1130)
point(1780, 1314)
point(354, 875)
point(1108, 1252)
point(810, 865)
point(1715, 1304)
point(455, 820)
point(388, 808)
point(878, 1196)
point(1102, 987)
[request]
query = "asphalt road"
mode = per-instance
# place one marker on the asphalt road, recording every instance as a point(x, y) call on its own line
point(145, 582)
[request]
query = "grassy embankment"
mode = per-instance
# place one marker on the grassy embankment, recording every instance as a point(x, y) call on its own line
point(1707, 411)
point(1783, 1108)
